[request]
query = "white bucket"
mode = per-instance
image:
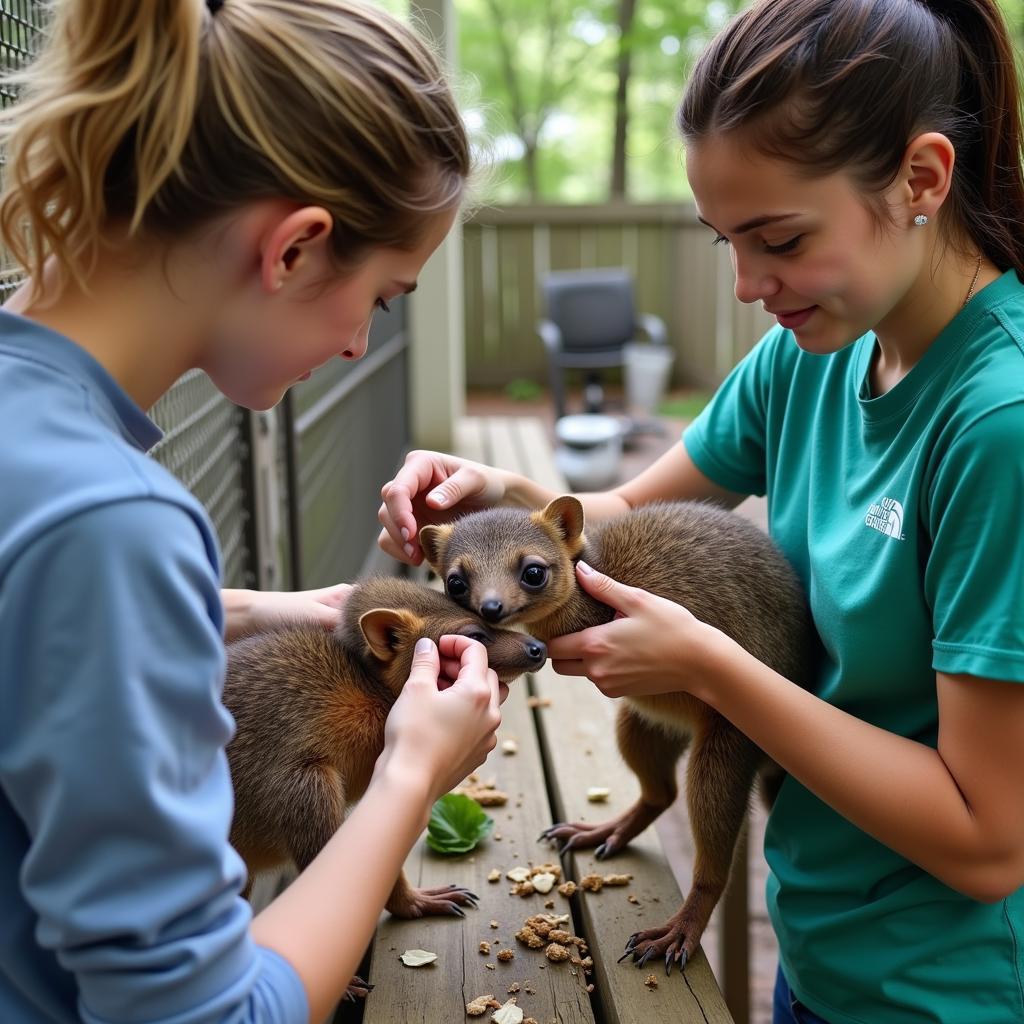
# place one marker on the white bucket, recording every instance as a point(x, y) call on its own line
point(646, 371)
point(589, 452)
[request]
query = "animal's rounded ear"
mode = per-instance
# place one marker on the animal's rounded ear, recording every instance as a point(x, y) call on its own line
point(387, 629)
point(434, 540)
point(565, 514)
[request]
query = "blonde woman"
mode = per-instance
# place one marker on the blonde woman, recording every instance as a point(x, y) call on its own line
point(233, 186)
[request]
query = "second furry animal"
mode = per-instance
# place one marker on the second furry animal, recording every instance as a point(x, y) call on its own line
point(310, 705)
point(514, 566)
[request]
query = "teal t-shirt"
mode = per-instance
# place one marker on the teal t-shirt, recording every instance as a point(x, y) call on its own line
point(904, 516)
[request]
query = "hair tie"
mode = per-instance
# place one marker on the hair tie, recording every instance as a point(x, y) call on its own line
point(214, 5)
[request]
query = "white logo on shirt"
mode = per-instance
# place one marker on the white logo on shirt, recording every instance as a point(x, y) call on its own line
point(886, 517)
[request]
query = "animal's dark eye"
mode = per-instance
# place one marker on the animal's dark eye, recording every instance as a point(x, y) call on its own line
point(534, 576)
point(480, 636)
point(456, 586)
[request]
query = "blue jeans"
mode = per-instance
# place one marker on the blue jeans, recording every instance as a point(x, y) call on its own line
point(787, 1009)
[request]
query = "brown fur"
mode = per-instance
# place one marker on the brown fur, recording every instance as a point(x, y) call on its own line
point(310, 707)
point(727, 573)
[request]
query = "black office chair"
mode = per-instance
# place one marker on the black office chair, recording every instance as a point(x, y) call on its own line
point(589, 317)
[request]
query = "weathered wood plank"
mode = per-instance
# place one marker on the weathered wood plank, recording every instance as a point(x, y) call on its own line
point(439, 993)
point(577, 734)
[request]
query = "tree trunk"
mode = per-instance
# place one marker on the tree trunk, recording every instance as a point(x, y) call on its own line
point(627, 11)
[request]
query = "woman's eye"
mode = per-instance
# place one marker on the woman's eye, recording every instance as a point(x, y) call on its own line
point(784, 247)
point(535, 576)
point(720, 240)
point(382, 305)
point(456, 586)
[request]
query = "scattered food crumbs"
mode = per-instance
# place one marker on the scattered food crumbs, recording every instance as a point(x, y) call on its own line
point(494, 924)
point(592, 883)
point(529, 1020)
point(497, 837)
point(632, 899)
point(549, 904)
point(556, 952)
point(617, 879)
point(490, 967)
point(513, 988)
point(568, 888)
point(485, 947)
point(651, 981)
point(494, 875)
point(417, 957)
point(505, 955)
point(521, 889)
point(484, 793)
point(538, 702)
point(479, 1006)
point(517, 874)
point(508, 1013)
point(529, 938)
point(547, 869)
point(598, 794)
point(529, 990)
point(509, 747)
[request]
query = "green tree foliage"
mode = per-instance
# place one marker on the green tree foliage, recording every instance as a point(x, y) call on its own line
point(544, 77)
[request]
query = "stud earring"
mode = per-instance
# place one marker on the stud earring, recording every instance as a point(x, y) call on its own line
point(921, 219)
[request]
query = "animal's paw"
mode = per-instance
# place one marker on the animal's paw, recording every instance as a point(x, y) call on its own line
point(357, 989)
point(670, 942)
point(446, 899)
point(580, 836)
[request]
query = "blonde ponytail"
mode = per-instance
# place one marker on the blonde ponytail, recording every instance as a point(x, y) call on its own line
point(155, 116)
point(107, 107)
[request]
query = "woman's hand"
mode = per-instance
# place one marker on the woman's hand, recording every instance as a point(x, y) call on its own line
point(443, 728)
point(246, 611)
point(429, 488)
point(652, 645)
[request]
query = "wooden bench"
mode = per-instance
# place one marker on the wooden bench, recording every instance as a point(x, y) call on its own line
point(565, 740)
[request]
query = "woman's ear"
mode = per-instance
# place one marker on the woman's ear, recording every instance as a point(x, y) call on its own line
point(292, 244)
point(926, 174)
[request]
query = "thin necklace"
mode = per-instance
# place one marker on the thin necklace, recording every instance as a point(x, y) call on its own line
point(974, 282)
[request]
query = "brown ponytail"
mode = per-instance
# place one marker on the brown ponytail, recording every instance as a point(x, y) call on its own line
point(845, 84)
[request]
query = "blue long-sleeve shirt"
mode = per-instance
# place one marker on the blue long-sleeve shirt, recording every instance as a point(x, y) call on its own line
point(119, 893)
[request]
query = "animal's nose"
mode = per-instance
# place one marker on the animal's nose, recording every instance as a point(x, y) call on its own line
point(491, 610)
point(537, 652)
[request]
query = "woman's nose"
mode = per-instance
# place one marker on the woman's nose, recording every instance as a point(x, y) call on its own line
point(753, 282)
point(358, 347)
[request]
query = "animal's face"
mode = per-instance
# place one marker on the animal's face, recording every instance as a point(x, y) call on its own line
point(390, 635)
point(507, 565)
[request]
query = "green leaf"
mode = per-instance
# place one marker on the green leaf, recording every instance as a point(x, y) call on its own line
point(457, 824)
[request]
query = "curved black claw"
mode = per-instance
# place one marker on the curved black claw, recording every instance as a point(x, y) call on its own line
point(606, 849)
point(669, 958)
point(547, 833)
point(647, 954)
point(682, 959)
point(630, 946)
point(454, 908)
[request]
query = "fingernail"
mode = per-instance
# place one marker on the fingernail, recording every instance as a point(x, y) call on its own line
point(584, 568)
point(424, 645)
point(439, 497)
point(408, 549)
point(405, 533)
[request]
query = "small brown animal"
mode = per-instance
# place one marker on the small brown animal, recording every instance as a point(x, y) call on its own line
point(309, 707)
point(516, 566)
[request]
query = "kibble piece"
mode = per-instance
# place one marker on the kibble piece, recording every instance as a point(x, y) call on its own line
point(509, 747)
point(479, 1006)
point(592, 883)
point(494, 924)
point(505, 955)
point(529, 938)
point(617, 879)
point(556, 953)
point(543, 882)
point(494, 875)
point(517, 874)
point(485, 947)
point(651, 981)
point(522, 889)
point(547, 869)
point(568, 888)
point(598, 794)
